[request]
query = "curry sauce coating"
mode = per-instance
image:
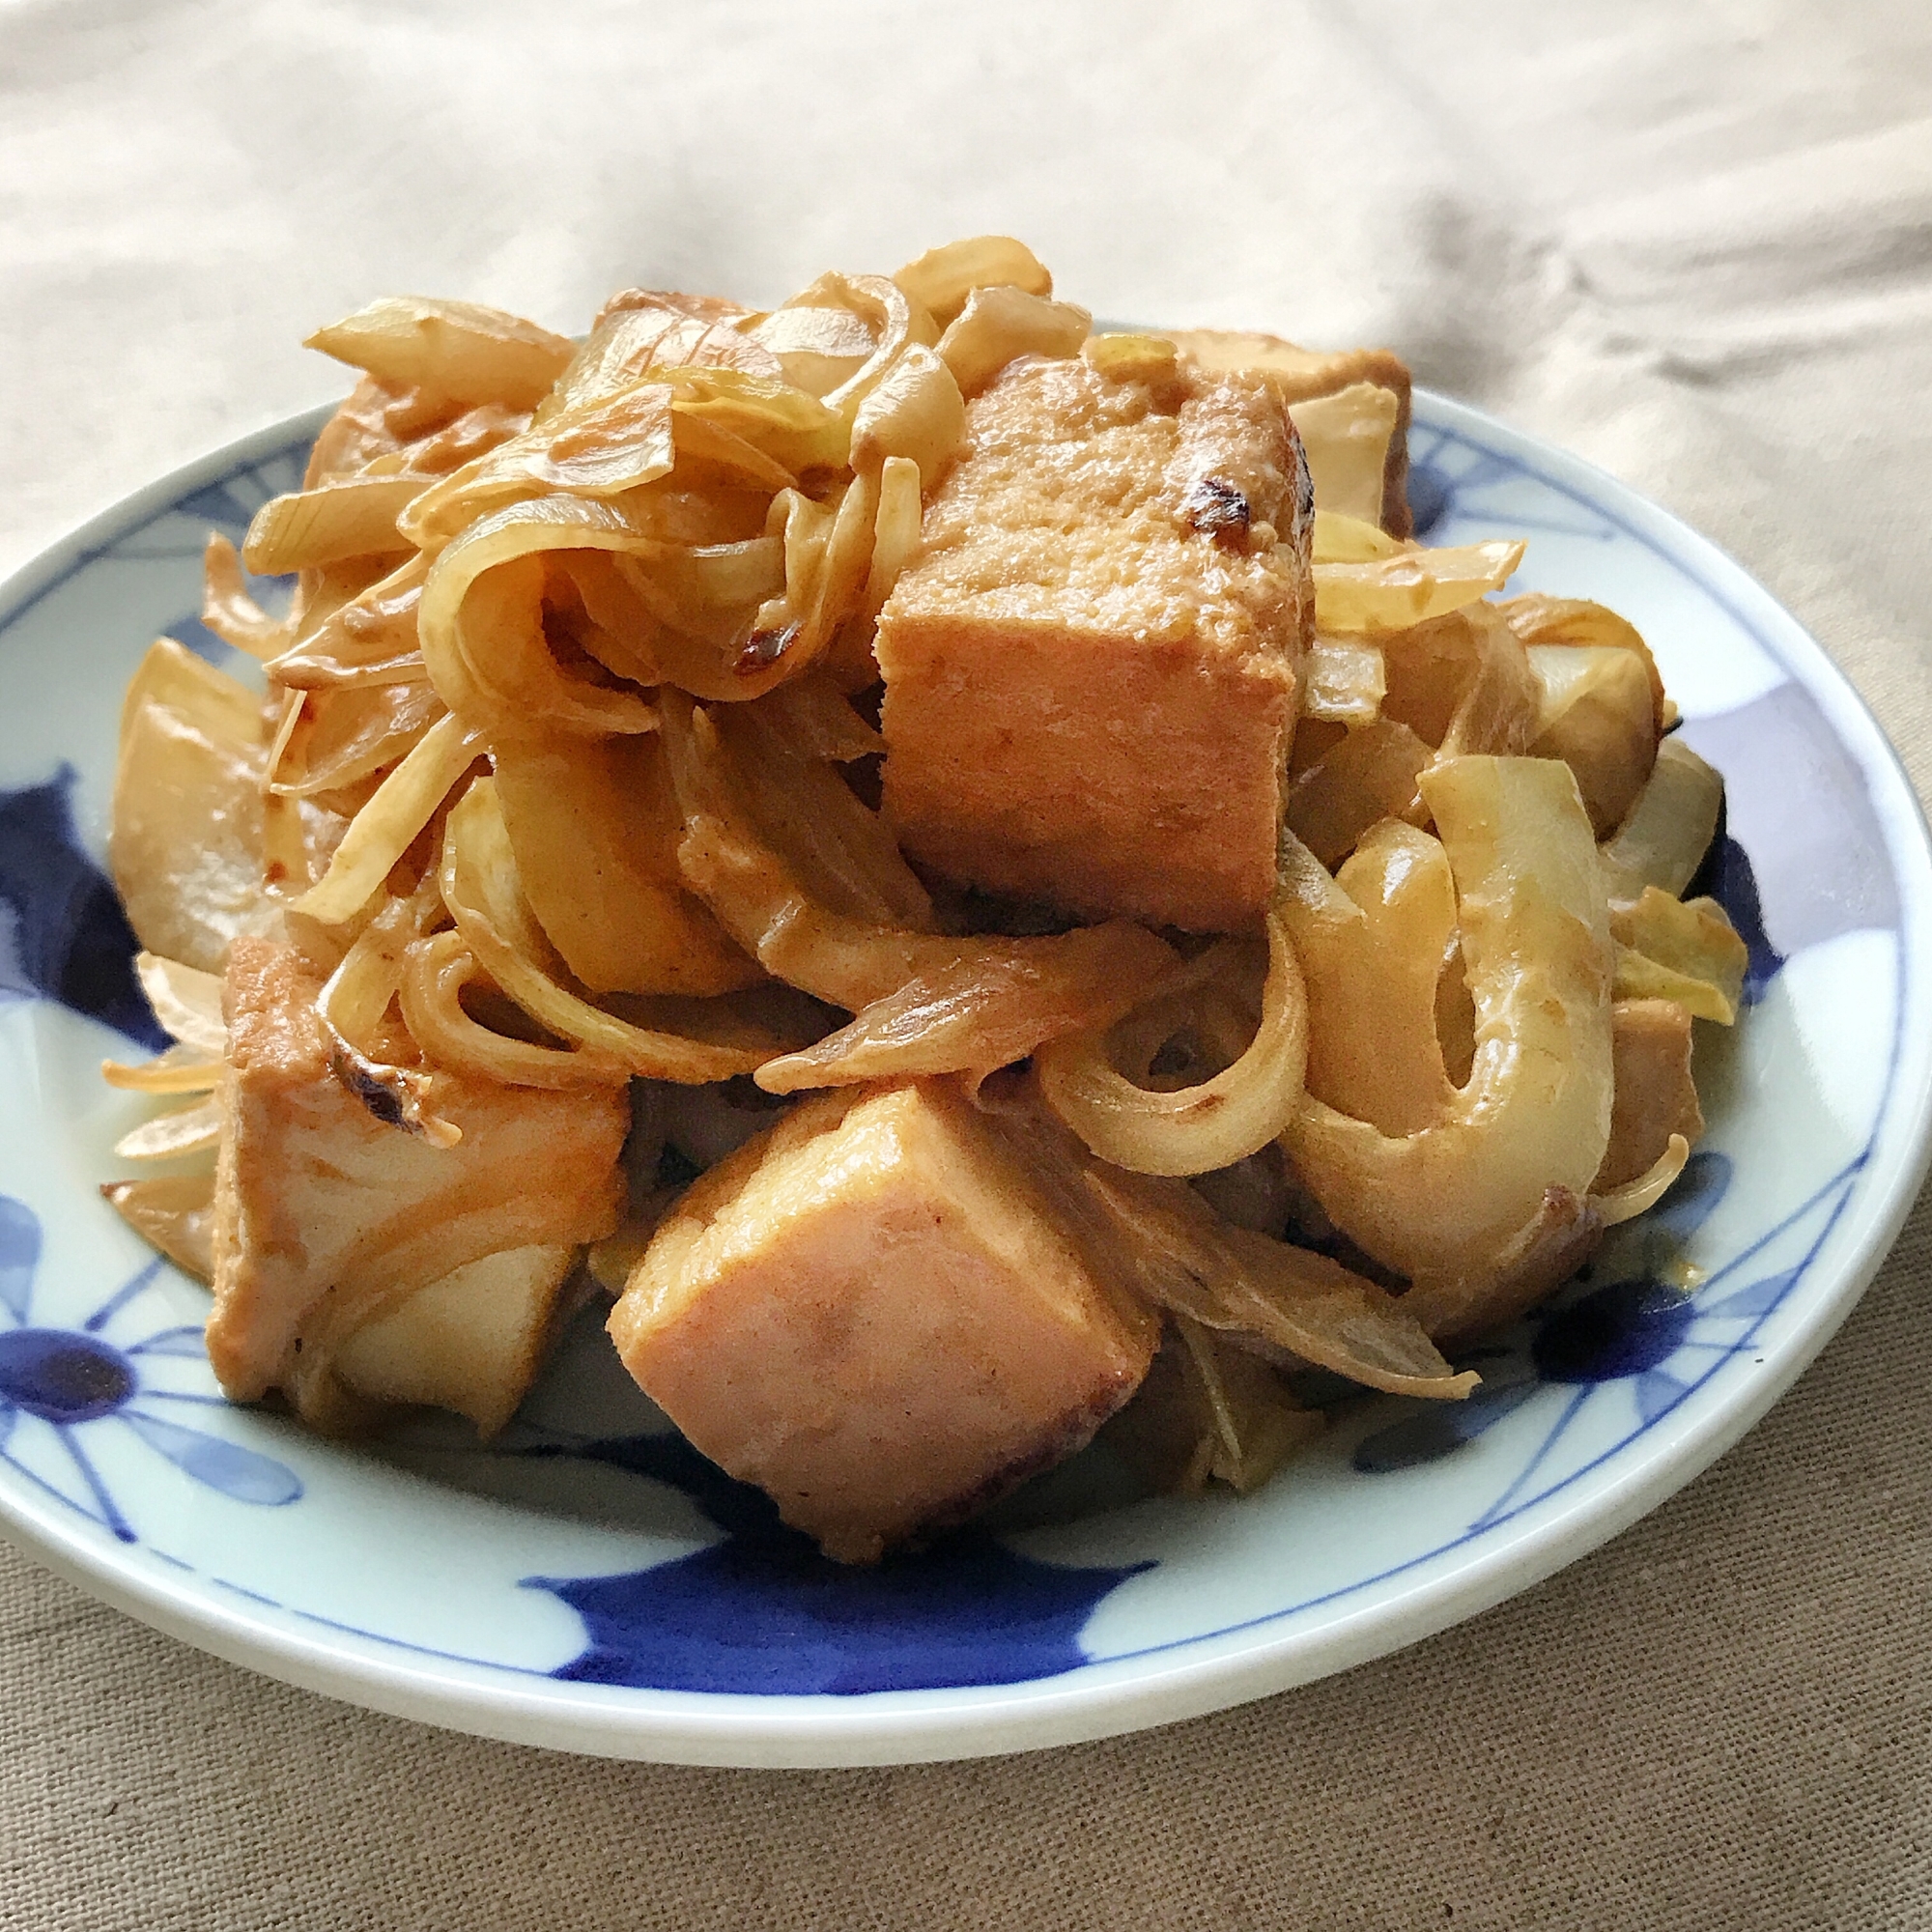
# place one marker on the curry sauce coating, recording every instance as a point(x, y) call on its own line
point(1092, 664)
point(868, 1312)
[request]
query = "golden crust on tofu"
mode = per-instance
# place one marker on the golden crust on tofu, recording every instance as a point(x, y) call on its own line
point(869, 1313)
point(1301, 375)
point(1654, 1095)
point(327, 1219)
point(1091, 666)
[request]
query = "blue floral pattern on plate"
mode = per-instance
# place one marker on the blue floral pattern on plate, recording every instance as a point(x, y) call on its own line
point(594, 1559)
point(71, 1381)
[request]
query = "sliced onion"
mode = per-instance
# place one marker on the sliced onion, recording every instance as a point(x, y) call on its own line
point(180, 1069)
point(229, 610)
point(404, 802)
point(1000, 321)
point(174, 1212)
point(1159, 1239)
point(435, 973)
point(996, 1004)
point(1664, 841)
point(1443, 1203)
point(1345, 440)
point(185, 1130)
point(1344, 681)
point(1638, 1196)
point(1345, 539)
point(814, 715)
point(367, 640)
point(943, 279)
point(1685, 950)
point(312, 527)
point(1197, 1128)
point(1393, 592)
point(480, 889)
point(916, 410)
point(483, 642)
point(1370, 776)
point(460, 350)
point(185, 1001)
point(346, 735)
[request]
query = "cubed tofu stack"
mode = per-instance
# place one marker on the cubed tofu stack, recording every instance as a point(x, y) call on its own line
point(869, 1313)
point(1091, 666)
point(356, 1263)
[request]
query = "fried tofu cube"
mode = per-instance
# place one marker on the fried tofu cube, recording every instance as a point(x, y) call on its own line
point(329, 1220)
point(472, 1342)
point(1655, 1095)
point(1302, 376)
point(1090, 663)
point(869, 1313)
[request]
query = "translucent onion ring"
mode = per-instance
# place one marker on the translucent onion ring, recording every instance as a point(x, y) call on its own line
point(1199, 1128)
point(435, 972)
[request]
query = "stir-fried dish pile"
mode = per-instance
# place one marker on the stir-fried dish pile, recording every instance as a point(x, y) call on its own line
point(970, 872)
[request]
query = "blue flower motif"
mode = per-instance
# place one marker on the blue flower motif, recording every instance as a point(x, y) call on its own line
point(1449, 475)
point(1642, 1330)
point(66, 1381)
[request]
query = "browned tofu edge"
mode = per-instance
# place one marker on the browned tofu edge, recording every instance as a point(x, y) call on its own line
point(1303, 373)
point(265, 1299)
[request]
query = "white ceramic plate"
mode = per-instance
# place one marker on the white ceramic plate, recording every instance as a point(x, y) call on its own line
point(588, 1583)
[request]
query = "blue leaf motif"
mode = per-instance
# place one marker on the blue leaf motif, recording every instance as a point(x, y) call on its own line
point(216, 503)
point(1434, 1431)
point(19, 1255)
point(1656, 1391)
point(67, 937)
point(201, 640)
point(1693, 1196)
point(1429, 494)
point(236, 1472)
point(763, 1612)
point(1759, 1298)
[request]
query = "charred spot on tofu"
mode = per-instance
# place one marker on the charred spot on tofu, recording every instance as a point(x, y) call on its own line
point(328, 1220)
point(1090, 666)
point(1308, 375)
point(868, 1312)
point(1216, 507)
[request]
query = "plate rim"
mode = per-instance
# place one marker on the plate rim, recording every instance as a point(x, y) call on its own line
point(1195, 1676)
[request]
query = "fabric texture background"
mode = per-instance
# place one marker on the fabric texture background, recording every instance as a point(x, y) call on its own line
point(1693, 243)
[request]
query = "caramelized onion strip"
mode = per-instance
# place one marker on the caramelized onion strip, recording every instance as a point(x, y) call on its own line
point(1441, 1203)
point(1159, 1238)
point(1201, 1128)
point(185, 1130)
point(186, 1001)
point(997, 1003)
point(434, 974)
point(229, 610)
point(180, 1069)
point(1638, 1196)
point(481, 891)
point(404, 802)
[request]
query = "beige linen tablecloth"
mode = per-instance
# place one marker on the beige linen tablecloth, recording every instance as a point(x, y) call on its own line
point(1692, 242)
